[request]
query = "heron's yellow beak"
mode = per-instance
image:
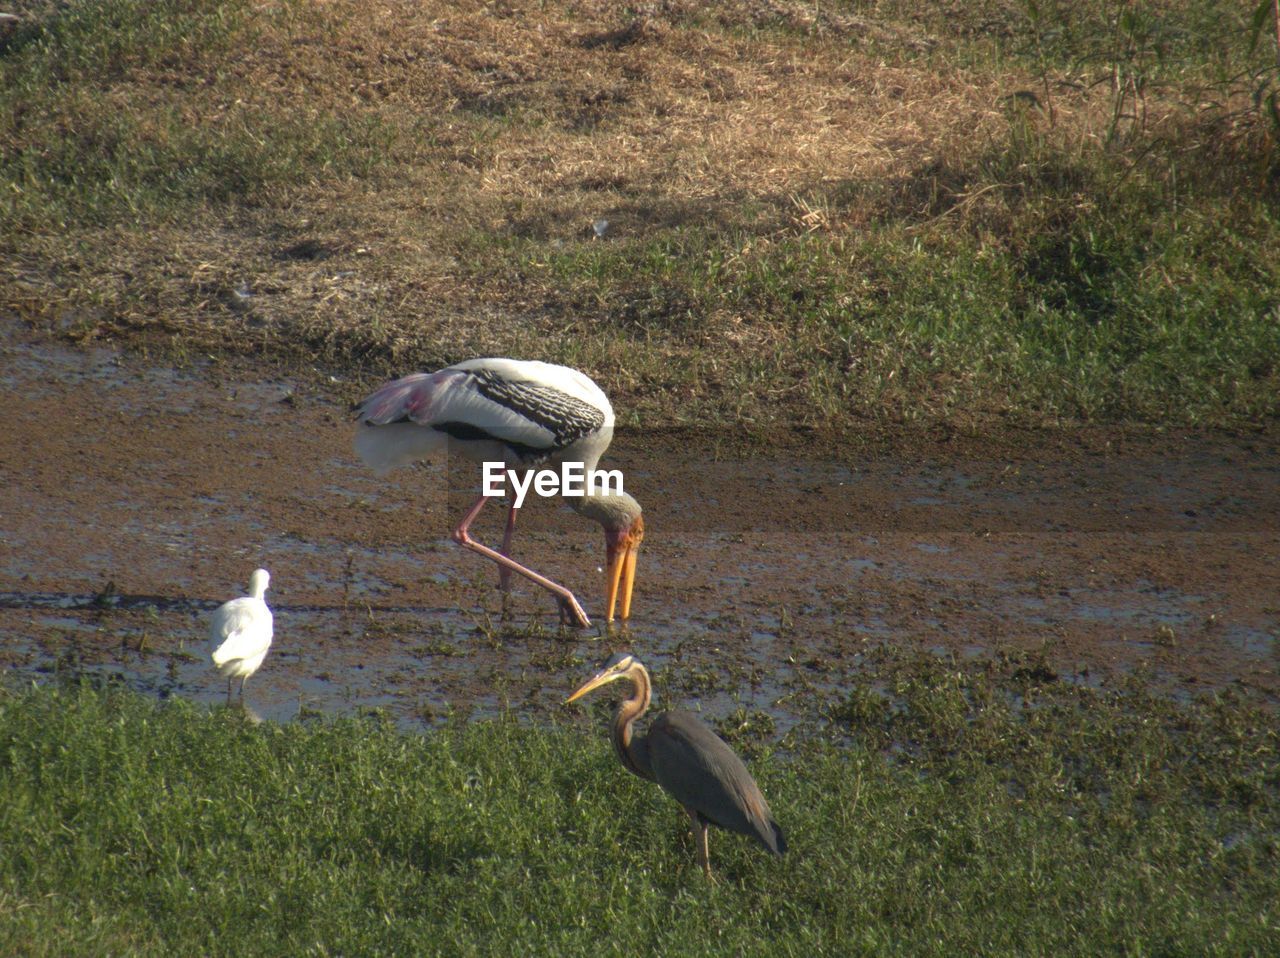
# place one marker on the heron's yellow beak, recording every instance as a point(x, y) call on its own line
point(604, 678)
point(620, 575)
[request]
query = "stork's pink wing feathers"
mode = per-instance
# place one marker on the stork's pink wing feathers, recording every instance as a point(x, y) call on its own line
point(411, 398)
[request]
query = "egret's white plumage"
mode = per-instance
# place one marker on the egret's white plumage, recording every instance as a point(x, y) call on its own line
point(525, 414)
point(241, 632)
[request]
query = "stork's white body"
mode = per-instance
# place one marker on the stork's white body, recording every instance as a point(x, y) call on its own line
point(523, 413)
point(240, 633)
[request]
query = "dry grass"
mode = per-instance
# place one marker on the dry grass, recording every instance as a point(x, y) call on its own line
point(424, 167)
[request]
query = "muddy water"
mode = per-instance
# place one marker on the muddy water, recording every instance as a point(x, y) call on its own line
point(136, 497)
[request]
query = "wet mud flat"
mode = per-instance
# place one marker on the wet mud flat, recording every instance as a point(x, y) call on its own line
point(134, 498)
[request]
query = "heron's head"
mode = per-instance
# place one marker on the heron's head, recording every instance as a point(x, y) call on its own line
point(258, 583)
point(623, 666)
point(620, 517)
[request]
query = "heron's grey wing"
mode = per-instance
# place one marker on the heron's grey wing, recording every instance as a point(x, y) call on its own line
point(704, 774)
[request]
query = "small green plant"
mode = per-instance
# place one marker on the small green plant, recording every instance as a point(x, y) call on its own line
point(1267, 80)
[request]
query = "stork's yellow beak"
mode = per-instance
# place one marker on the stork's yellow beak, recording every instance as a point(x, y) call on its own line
point(620, 575)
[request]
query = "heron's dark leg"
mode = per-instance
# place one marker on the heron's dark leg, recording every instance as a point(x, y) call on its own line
point(504, 574)
point(700, 840)
point(704, 853)
point(567, 601)
point(229, 681)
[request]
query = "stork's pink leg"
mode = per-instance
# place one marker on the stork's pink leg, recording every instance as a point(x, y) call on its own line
point(567, 602)
point(504, 574)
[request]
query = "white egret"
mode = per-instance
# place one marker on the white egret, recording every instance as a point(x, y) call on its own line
point(241, 632)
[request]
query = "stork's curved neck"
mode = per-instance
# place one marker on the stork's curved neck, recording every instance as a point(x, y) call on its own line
point(615, 511)
point(636, 759)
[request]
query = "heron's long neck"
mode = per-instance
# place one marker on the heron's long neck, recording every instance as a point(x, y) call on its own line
point(634, 756)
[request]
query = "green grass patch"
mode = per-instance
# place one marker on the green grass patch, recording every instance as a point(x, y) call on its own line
point(1162, 40)
point(1124, 305)
point(948, 812)
point(131, 111)
point(104, 41)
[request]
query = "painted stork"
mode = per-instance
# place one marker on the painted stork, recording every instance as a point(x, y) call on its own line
point(526, 415)
point(241, 631)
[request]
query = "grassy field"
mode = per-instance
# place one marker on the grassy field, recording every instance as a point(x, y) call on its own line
point(851, 216)
point(843, 215)
point(942, 810)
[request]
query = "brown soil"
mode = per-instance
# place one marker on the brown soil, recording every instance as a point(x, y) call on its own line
point(135, 498)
